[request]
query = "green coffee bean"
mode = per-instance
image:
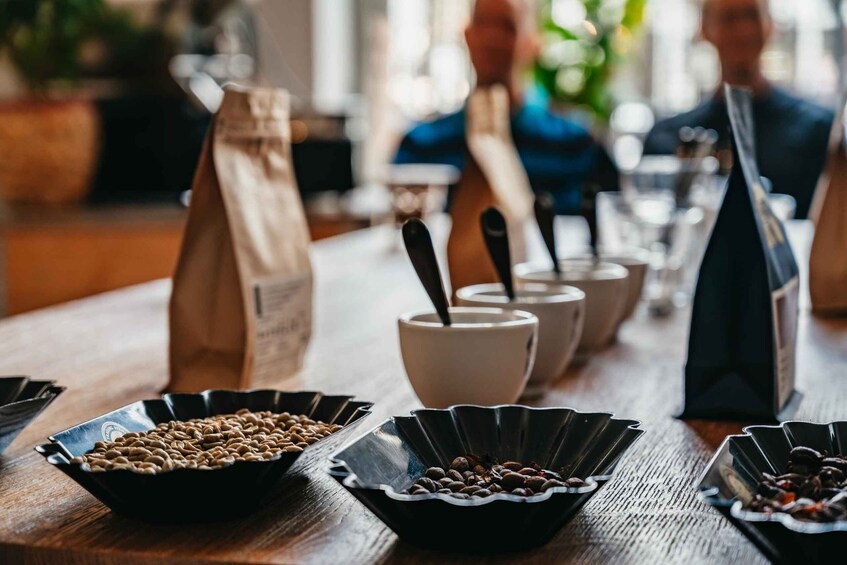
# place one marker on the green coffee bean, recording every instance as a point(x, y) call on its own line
point(207, 443)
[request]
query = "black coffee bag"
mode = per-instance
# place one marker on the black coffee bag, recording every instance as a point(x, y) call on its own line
point(742, 345)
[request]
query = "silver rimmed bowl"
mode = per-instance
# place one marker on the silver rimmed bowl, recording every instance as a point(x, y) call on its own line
point(379, 466)
point(21, 401)
point(731, 480)
point(192, 495)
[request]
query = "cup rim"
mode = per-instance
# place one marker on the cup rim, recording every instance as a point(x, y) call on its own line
point(617, 272)
point(626, 256)
point(557, 294)
point(508, 319)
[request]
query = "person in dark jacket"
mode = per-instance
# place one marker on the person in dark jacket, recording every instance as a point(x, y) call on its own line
point(791, 134)
point(559, 156)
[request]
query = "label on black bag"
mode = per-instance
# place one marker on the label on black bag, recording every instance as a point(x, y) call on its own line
point(785, 305)
point(283, 307)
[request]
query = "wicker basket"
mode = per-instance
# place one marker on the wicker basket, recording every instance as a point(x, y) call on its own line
point(49, 150)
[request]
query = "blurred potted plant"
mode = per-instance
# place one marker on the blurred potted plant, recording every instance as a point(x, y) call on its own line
point(581, 42)
point(48, 137)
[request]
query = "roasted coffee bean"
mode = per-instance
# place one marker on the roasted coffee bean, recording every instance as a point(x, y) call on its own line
point(482, 478)
point(815, 489)
point(574, 483)
point(535, 483)
point(805, 456)
point(550, 484)
point(837, 462)
point(810, 489)
point(456, 486)
point(552, 475)
point(435, 473)
point(511, 481)
point(800, 468)
point(460, 464)
point(769, 490)
point(793, 477)
point(428, 484)
point(207, 443)
point(455, 475)
point(833, 473)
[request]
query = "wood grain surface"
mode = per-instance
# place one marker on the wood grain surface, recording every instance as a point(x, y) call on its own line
point(110, 350)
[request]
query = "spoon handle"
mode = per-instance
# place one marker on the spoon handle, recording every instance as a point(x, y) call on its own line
point(545, 215)
point(589, 212)
point(422, 254)
point(497, 241)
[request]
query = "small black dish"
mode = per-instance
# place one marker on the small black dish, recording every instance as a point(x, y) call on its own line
point(21, 401)
point(390, 458)
point(732, 478)
point(193, 495)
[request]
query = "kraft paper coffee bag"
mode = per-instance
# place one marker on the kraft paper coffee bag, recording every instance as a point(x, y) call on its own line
point(241, 306)
point(828, 260)
point(493, 176)
point(741, 351)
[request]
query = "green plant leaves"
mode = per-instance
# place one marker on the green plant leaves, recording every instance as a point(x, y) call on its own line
point(579, 52)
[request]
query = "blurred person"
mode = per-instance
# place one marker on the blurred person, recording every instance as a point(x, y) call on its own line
point(791, 134)
point(559, 156)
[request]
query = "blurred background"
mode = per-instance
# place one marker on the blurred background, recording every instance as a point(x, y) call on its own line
point(104, 105)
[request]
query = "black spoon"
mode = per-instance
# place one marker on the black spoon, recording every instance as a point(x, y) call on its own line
point(419, 247)
point(545, 215)
point(497, 240)
point(589, 212)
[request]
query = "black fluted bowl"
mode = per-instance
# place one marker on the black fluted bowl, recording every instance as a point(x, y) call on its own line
point(378, 466)
point(21, 401)
point(732, 478)
point(190, 495)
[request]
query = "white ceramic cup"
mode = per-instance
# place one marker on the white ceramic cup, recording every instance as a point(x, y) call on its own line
point(560, 311)
point(636, 262)
point(485, 357)
point(605, 286)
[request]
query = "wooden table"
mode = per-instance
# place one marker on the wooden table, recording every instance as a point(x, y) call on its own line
point(110, 350)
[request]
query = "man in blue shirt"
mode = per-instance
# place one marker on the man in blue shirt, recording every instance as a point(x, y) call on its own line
point(791, 134)
point(559, 156)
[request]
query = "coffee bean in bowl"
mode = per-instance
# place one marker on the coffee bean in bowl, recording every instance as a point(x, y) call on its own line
point(475, 479)
point(207, 443)
point(481, 477)
point(785, 488)
point(201, 457)
point(813, 490)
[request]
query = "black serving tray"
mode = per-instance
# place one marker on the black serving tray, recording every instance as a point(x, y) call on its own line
point(732, 477)
point(192, 495)
point(378, 466)
point(21, 401)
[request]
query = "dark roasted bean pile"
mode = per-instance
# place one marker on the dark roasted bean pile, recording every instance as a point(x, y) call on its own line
point(474, 477)
point(813, 490)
